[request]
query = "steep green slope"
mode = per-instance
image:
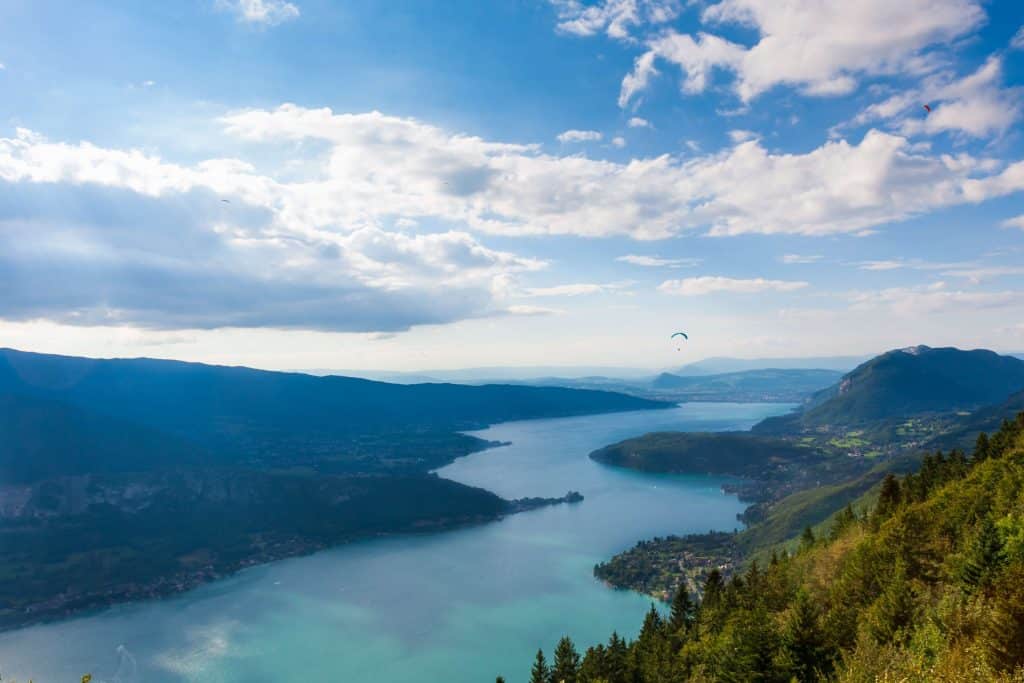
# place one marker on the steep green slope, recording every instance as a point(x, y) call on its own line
point(929, 586)
point(908, 382)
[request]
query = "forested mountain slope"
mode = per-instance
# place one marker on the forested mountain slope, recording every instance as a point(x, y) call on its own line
point(907, 382)
point(925, 584)
point(245, 415)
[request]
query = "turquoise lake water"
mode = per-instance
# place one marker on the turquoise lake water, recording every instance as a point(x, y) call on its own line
point(454, 607)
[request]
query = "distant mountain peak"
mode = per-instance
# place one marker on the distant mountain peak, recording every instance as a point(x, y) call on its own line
point(916, 350)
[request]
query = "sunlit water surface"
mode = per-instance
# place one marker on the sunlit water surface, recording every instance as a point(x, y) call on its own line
point(453, 607)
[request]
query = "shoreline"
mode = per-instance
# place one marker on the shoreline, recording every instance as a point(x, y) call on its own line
point(80, 606)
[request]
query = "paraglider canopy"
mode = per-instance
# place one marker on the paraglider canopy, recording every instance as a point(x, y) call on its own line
point(679, 334)
point(927, 108)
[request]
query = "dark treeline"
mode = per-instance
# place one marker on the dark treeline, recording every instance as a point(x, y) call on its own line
point(927, 584)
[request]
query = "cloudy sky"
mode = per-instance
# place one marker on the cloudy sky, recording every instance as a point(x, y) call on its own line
point(411, 185)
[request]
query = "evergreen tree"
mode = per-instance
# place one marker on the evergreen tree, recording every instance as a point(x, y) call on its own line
point(807, 538)
point(803, 640)
point(889, 499)
point(653, 625)
point(981, 448)
point(983, 557)
point(594, 666)
point(683, 611)
point(844, 520)
point(566, 667)
point(617, 670)
point(893, 611)
point(539, 673)
point(714, 585)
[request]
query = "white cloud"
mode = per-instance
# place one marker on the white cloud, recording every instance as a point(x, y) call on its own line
point(619, 142)
point(820, 47)
point(95, 236)
point(697, 58)
point(658, 262)
point(738, 135)
point(525, 310)
point(375, 169)
point(2, 66)
point(266, 12)
point(613, 17)
point(637, 122)
point(800, 258)
point(978, 274)
point(707, 284)
point(577, 289)
point(889, 264)
point(931, 299)
point(579, 136)
point(638, 79)
point(1017, 42)
point(974, 105)
point(1015, 222)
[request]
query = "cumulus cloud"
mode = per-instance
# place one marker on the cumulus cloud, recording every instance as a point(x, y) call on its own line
point(619, 142)
point(265, 12)
point(1015, 222)
point(1017, 42)
point(975, 105)
point(658, 262)
point(91, 236)
point(613, 17)
point(739, 135)
point(800, 258)
point(822, 48)
point(579, 136)
point(637, 122)
point(709, 284)
point(374, 170)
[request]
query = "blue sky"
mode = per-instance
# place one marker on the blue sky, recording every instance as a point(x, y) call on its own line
point(415, 185)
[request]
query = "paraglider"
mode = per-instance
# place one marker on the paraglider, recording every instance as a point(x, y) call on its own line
point(927, 108)
point(679, 334)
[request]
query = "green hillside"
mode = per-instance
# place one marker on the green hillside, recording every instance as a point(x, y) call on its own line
point(908, 382)
point(928, 585)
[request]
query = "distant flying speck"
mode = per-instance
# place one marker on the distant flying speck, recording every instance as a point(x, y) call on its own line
point(927, 108)
point(225, 201)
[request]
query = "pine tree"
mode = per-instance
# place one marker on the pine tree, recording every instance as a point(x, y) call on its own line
point(540, 673)
point(983, 557)
point(889, 498)
point(982, 448)
point(567, 662)
point(803, 640)
point(893, 611)
point(617, 669)
point(682, 612)
point(594, 666)
point(653, 624)
point(713, 587)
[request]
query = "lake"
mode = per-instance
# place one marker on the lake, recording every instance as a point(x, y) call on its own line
point(455, 607)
